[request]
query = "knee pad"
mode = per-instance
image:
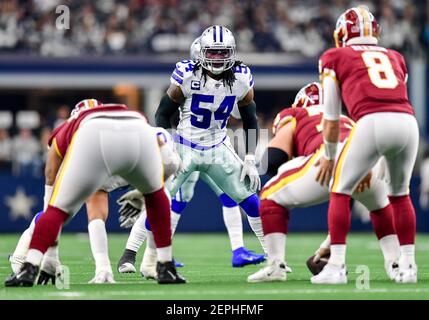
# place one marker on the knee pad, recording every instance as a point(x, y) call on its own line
point(227, 201)
point(251, 206)
point(178, 206)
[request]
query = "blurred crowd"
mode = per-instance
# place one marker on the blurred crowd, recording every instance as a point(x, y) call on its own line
point(23, 147)
point(109, 27)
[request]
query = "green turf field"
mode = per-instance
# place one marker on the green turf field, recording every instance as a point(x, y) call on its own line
point(210, 276)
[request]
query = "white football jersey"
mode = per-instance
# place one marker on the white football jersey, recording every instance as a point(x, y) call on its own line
point(208, 105)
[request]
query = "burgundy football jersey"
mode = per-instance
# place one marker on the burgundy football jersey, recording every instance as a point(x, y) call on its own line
point(371, 78)
point(307, 122)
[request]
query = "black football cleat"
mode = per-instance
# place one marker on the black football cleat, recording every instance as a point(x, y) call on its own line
point(26, 277)
point(127, 262)
point(167, 273)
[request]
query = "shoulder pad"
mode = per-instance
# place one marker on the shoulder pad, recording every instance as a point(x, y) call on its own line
point(283, 117)
point(243, 74)
point(183, 70)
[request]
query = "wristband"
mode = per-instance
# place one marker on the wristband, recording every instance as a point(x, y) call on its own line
point(330, 149)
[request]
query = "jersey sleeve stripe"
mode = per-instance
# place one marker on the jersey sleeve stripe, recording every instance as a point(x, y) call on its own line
point(251, 82)
point(284, 122)
point(329, 73)
point(179, 73)
point(175, 77)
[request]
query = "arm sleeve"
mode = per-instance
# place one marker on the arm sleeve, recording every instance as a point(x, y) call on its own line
point(332, 99)
point(250, 126)
point(328, 68)
point(167, 107)
point(274, 158)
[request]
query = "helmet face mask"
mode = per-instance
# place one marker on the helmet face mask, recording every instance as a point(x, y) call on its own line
point(217, 52)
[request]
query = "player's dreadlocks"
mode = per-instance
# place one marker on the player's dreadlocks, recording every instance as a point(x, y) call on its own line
point(228, 76)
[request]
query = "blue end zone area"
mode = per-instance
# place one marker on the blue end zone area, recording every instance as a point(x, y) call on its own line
point(203, 214)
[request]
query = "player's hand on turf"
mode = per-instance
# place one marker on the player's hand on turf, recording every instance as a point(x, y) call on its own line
point(45, 277)
point(250, 170)
point(325, 171)
point(131, 205)
point(365, 183)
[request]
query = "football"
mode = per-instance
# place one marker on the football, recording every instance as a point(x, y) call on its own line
point(316, 267)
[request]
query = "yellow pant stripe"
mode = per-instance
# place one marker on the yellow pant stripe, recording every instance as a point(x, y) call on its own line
point(57, 150)
point(162, 162)
point(295, 176)
point(60, 175)
point(340, 161)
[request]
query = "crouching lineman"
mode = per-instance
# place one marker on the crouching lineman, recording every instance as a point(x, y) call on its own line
point(95, 151)
point(96, 205)
point(298, 137)
point(371, 80)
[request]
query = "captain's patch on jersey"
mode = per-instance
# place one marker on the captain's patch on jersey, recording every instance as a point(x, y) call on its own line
point(195, 85)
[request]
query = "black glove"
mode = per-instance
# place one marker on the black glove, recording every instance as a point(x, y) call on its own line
point(44, 278)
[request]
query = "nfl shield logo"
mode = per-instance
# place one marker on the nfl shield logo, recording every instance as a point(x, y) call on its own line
point(195, 85)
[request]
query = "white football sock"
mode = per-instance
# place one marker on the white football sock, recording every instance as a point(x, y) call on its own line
point(175, 217)
point(151, 240)
point(338, 254)
point(276, 243)
point(165, 254)
point(47, 196)
point(390, 247)
point(256, 225)
point(137, 235)
point(99, 245)
point(24, 243)
point(52, 253)
point(234, 226)
point(34, 257)
point(407, 255)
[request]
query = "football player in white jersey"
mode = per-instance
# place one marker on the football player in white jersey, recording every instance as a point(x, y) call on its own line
point(205, 92)
point(231, 213)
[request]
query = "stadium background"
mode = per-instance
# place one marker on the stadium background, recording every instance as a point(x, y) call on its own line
point(125, 50)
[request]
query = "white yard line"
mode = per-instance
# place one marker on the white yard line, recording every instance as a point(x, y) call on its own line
point(267, 292)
